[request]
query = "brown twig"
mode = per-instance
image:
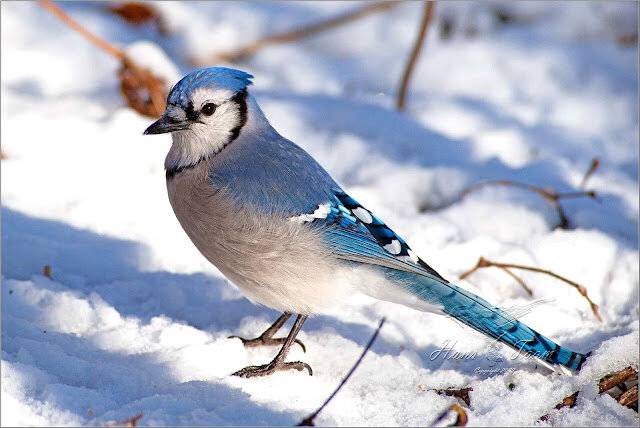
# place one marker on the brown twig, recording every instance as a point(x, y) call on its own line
point(129, 422)
point(484, 263)
point(46, 271)
point(462, 393)
point(308, 421)
point(518, 280)
point(73, 24)
point(595, 164)
point(461, 416)
point(297, 34)
point(427, 15)
point(627, 398)
point(550, 195)
point(630, 39)
point(617, 378)
point(143, 91)
point(568, 401)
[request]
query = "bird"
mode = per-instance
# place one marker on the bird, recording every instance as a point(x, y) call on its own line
point(278, 226)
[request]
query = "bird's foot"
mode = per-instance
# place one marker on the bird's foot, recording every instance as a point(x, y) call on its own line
point(266, 341)
point(272, 367)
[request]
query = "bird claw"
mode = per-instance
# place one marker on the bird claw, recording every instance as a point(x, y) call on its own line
point(272, 367)
point(266, 341)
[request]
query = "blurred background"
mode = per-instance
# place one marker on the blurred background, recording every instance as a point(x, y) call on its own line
point(541, 93)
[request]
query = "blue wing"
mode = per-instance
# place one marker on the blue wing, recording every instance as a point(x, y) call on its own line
point(354, 233)
point(272, 175)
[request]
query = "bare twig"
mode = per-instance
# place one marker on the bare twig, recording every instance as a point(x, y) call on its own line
point(129, 422)
point(143, 91)
point(568, 401)
point(630, 397)
point(462, 393)
point(630, 39)
point(550, 195)
point(617, 378)
point(627, 398)
point(484, 263)
point(629, 393)
point(595, 164)
point(308, 421)
point(73, 24)
point(461, 416)
point(297, 34)
point(427, 15)
point(518, 280)
point(46, 271)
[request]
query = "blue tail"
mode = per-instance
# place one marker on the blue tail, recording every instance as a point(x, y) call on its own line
point(480, 315)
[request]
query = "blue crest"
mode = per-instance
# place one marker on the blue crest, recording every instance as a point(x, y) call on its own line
point(219, 77)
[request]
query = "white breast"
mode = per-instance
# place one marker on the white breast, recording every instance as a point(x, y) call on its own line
point(274, 261)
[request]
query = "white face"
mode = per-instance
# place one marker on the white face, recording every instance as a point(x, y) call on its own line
point(215, 113)
point(215, 117)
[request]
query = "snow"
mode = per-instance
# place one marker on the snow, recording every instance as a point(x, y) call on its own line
point(150, 56)
point(134, 319)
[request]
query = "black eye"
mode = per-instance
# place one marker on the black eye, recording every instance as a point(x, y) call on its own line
point(208, 109)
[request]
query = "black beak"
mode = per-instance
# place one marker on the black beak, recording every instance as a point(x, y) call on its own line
point(166, 124)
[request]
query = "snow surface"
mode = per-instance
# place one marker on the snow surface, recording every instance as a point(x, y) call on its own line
point(135, 320)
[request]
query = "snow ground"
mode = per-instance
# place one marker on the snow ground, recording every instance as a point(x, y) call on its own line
point(135, 320)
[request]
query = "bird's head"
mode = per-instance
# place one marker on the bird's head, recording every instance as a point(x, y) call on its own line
point(206, 109)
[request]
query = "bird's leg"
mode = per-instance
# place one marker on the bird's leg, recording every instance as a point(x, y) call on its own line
point(266, 338)
point(278, 363)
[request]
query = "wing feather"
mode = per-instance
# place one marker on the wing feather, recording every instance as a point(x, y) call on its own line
point(353, 233)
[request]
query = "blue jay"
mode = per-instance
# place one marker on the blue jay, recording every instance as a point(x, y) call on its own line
point(275, 223)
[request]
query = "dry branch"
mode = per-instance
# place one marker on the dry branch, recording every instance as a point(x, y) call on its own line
point(518, 280)
point(129, 422)
point(73, 24)
point(617, 378)
point(484, 263)
point(143, 91)
point(461, 416)
point(595, 164)
point(628, 398)
point(568, 401)
point(462, 393)
point(630, 39)
point(308, 421)
point(550, 195)
point(46, 271)
point(297, 34)
point(427, 16)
